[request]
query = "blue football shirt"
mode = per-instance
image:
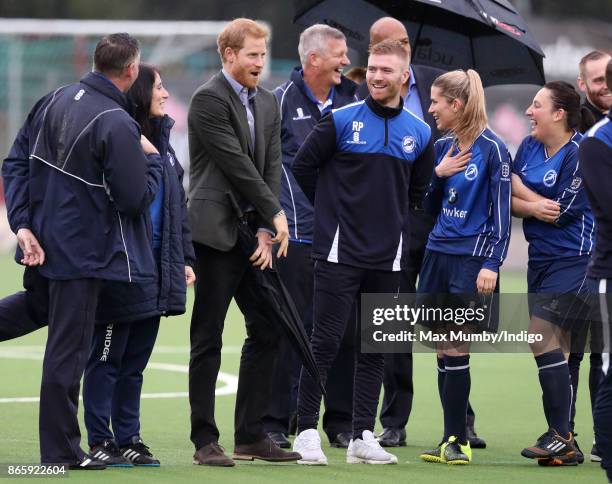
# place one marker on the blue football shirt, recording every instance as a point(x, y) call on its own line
point(473, 206)
point(558, 178)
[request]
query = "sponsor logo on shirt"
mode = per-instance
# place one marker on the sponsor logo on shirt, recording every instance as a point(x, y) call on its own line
point(471, 172)
point(300, 115)
point(454, 212)
point(408, 144)
point(355, 139)
point(550, 177)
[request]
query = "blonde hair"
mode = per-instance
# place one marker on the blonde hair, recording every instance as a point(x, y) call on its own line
point(465, 86)
point(236, 31)
point(390, 47)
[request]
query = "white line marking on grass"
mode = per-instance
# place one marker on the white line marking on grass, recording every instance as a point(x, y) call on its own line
point(21, 400)
point(14, 355)
point(230, 381)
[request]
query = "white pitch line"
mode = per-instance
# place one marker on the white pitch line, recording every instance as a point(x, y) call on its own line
point(230, 381)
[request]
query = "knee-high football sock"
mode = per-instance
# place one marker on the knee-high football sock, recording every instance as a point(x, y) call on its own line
point(456, 394)
point(553, 373)
point(441, 377)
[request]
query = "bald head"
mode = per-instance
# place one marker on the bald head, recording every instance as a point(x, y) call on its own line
point(387, 28)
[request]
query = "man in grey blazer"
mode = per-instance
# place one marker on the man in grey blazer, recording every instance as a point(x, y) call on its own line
point(234, 144)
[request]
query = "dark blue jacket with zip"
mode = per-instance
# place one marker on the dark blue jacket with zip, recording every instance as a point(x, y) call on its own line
point(368, 165)
point(122, 302)
point(299, 115)
point(78, 178)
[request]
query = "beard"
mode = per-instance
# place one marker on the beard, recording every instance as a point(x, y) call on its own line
point(599, 98)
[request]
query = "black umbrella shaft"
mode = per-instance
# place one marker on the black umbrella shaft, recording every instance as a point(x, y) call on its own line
point(478, 7)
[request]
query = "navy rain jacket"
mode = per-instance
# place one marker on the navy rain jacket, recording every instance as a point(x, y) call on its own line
point(122, 302)
point(299, 116)
point(77, 177)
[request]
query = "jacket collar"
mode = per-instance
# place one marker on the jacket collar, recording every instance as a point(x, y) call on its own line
point(346, 88)
point(598, 115)
point(161, 131)
point(103, 85)
point(383, 111)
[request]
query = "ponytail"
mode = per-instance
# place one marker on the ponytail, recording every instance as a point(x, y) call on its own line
point(467, 87)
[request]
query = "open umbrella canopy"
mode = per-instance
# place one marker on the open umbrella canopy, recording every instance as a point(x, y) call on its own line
point(489, 36)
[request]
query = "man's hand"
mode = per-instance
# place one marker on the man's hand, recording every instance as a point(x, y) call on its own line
point(147, 146)
point(486, 281)
point(262, 257)
point(190, 276)
point(452, 164)
point(546, 210)
point(282, 234)
point(33, 253)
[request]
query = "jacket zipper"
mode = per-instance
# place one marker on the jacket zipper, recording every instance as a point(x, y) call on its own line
point(386, 132)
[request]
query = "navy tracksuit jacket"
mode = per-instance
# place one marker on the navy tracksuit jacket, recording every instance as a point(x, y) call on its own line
point(595, 153)
point(299, 116)
point(356, 223)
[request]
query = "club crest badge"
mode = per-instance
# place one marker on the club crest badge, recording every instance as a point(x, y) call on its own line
point(408, 144)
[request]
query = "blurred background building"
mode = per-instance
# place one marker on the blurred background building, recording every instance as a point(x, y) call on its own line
point(37, 55)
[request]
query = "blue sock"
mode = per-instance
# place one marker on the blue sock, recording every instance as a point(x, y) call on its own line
point(457, 384)
point(554, 376)
point(441, 378)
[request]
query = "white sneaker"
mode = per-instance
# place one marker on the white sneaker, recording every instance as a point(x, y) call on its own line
point(367, 450)
point(308, 445)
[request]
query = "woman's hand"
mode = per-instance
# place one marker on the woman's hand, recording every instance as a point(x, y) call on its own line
point(452, 164)
point(190, 276)
point(486, 281)
point(546, 210)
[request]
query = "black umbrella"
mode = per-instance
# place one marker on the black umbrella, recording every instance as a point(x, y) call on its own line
point(489, 36)
point(280, 301)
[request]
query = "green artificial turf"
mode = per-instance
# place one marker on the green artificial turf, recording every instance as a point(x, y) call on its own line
point(505, 394)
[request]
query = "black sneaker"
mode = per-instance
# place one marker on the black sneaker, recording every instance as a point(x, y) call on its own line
point(87, 464)
point(342, 440)
point(579, 453)
point(392, 437)
point(138, 453)
point(109, 453)
point(475, 441)
point(552, 450)
point(595, 453)
point(455, 453)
